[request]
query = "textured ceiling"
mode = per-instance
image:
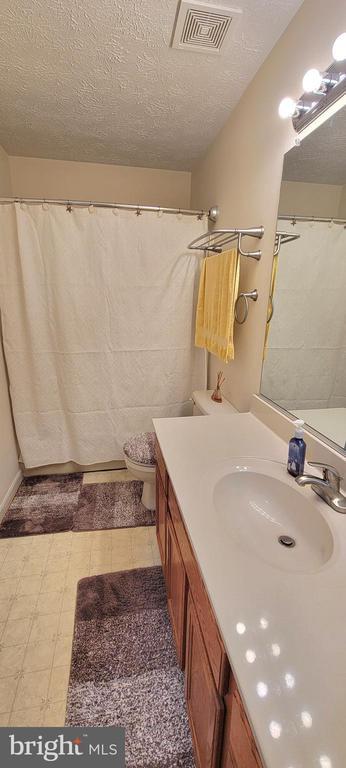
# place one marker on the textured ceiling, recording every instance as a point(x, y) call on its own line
point(321, 157)
point(97, 80)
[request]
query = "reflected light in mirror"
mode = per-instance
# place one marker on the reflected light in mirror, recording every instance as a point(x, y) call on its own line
point(325, 762)
point(241, 628)
point(275, 729)
point(276, 650)
point(289, 680)
point(306, 719)
point(250, 656)
point(262, 689)
point(264, 623)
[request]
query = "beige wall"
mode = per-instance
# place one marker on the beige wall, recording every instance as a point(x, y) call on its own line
point(306, 199)
point(5, 180)
point(8, 452)
point(241, 172)
point(36, 177)
point(342, 206)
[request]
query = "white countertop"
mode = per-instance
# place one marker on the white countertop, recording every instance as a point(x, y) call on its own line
point(293, 625)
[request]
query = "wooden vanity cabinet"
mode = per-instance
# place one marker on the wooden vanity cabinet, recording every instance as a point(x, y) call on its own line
point(220, 730)
point(176, 591)
point(239, 749)
point(161, 520)
point(204, 704)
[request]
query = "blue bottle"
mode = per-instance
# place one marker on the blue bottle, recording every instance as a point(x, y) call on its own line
point(296, 450)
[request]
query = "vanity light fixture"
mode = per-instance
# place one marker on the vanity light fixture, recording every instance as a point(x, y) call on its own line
point(339, 48)
point(312, 80)
point(323, 92)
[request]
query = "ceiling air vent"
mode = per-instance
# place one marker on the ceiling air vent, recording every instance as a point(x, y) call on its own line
point(203, 26)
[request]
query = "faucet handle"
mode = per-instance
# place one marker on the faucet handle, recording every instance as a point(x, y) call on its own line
point(330, 474)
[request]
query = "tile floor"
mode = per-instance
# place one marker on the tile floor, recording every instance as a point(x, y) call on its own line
point(38, 585)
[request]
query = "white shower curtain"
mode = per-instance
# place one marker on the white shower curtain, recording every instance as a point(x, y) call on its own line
point(98, 323)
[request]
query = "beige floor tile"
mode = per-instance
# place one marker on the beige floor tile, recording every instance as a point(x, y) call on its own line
point(79, 560)
point(143, 559)
point(5, 607)
point(53, 582)
point(8, 587)
point(73, 577)
point(8, 689)
point(39, 656)
point(100, 558)
point(29, 585)
point(48, 602)
point(101, 541)
point(27, 718)
point(81, 542)
point(156, 556)
point(122, 561)
point(23, 606)
point(57, 563)
point(44, 628)
point(32, 690)
point(34, 566)
point(2, 627)
point(11, 660)
point(63, 651)
point(16, 632)
point(107, 476)
point(99, 570)
point(69, 598)
point(11, 568)
point(59, 683)
point(4, 719)
point(55, 714)
point(66, 624)
point(121, 536)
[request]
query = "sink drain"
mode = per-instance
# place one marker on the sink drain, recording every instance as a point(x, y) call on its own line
point(287, 541)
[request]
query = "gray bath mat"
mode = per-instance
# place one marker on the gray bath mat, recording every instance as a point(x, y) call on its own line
point(56, 503)
point(124, 668)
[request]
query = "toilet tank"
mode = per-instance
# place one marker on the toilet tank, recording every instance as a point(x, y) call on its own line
point(203, 405)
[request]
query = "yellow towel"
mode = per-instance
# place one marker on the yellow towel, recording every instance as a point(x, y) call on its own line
point(218, 289)
point(270, 303)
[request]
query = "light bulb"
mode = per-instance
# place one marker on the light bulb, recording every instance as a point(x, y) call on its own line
point(287, 107)
point(45, 207)
point(339, 48)
point(262, 689)
point(312, 80)
point(160, 213)
point(91, 209)
point(241, 628)
point(115, 211)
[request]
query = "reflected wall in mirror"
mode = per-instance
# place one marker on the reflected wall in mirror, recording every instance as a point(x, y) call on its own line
point(304, 368)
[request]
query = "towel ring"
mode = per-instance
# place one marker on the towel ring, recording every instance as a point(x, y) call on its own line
point(246, 295)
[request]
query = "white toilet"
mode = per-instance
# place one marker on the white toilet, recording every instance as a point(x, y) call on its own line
point(139, 453)
point(139, 450)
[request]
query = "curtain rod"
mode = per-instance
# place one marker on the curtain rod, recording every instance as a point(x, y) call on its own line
point(329, 220)
point(212, 213)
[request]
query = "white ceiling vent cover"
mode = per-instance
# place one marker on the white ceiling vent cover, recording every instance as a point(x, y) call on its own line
point(202, 26)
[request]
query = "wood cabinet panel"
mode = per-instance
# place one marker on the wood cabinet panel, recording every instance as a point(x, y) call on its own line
point(239, 748)
point(177, 591)
point(160, 463)
point(161, 519)
point(217, 656)
point(205, 706)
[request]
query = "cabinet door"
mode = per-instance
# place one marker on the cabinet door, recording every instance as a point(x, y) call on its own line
point(204, 704)
point(161, 519)
point(177, 590)
point(239, 749)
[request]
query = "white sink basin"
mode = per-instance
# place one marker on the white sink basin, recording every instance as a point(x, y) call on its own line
point(257, 506)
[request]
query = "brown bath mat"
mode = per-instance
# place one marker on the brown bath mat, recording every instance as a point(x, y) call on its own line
point(124, 668)
point(56, 503)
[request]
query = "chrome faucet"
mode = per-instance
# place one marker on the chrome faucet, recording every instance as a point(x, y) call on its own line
point(327, 486)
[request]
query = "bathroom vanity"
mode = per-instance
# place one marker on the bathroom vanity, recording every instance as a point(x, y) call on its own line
point(244, 615)
point(219, 726)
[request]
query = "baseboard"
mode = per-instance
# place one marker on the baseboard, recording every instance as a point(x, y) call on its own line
point(6, 500)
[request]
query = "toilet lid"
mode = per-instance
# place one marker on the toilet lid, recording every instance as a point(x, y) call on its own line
point(141, 448)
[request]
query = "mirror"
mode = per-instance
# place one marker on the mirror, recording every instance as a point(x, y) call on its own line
point(304, 368)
